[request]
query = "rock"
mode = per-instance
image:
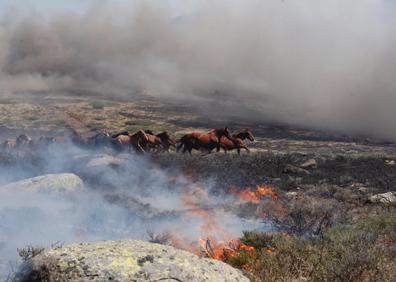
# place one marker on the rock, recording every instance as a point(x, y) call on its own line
point(125, 260)
point(390, 162)
point(295, 170)
point(385, 198)
point(311, 163)
point(291, 195)
point(64, 182)
point(363, 189)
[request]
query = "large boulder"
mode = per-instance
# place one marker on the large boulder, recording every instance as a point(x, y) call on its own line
point(125, 260)
point(58, 183)
point(384, 198)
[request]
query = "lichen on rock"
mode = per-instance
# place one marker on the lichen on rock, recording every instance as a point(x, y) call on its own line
point(125, 260)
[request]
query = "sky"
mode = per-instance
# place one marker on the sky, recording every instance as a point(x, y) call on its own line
point(46, 5)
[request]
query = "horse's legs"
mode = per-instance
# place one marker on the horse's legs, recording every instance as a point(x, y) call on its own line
point(239, 151)
point(224, 148)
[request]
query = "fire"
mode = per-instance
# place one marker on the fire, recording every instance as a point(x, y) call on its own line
point(218, 244)
point(196, 199)
point(221, 250)
point(255, 196)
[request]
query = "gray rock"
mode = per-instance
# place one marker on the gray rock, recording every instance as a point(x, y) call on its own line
point(58, 183)
point(311, 163)
point(295, 170)
point(125, 260)
point(384, 198)
point(291, 195)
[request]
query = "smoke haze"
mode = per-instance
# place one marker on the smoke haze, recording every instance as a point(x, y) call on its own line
point(117, 202)
point(316, 63)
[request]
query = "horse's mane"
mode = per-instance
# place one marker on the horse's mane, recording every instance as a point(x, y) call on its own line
point(243, 134)
point(240, 134)
point(163, 134)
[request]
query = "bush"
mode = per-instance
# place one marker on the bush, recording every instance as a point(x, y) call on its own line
point(358, 252)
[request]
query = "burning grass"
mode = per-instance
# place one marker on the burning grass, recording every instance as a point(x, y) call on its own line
point(363, 251)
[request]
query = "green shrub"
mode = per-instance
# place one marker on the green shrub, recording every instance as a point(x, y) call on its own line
point(358, 252)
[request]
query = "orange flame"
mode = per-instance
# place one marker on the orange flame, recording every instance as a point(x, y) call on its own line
point(255, 196)
point(195, 198)
point(223, 251)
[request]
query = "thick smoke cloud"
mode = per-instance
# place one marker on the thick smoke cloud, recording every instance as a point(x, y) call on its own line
point(122, 201)
point(324, 64)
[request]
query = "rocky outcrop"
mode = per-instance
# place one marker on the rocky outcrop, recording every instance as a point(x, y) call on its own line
point(384, 198)
point(125, 260)
point(58, 183)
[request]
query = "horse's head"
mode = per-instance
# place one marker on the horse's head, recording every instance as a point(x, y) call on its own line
point(23, 139)
point(223, 132)
point(166, 137)
point(141, 134)
point(249, 135)
point(104, 133)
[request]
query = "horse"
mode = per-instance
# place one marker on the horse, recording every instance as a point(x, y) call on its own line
point(236, 142)
point(161, 141)
point(166, 141)
point(134, 141)
point(22, 140)
point(101, 138)
point(120, 133)
point(153, 142)
point(207, 141)
point(43, 142)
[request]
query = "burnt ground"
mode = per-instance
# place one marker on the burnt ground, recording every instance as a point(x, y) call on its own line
point(348, 170)
point(345, 163)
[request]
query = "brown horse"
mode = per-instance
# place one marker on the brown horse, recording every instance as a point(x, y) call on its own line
point(236, 142)
point(158, 142)
point(129, 141)
point(22, 140)
point(206, 141)
point(153, 142)
point(166, 141)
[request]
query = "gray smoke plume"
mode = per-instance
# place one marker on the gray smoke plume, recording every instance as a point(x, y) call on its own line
point(315, 63)
point(127, 200)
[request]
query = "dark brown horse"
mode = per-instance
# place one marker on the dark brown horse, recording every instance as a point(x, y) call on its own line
point(203, 141)
point(166, 141)
point(236, 142)
point(129, 141)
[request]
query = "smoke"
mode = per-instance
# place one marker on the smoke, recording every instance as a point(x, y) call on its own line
point(322, 64)
point(124, 196)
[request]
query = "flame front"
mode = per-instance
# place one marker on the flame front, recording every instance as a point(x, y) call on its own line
point(216, 243)
point(223, 250)
point(255, 196)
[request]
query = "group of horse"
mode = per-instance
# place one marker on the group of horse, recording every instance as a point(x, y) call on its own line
point(144, 141)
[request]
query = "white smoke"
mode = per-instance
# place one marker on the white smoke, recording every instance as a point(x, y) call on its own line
point(117, 202)
point(318, 63)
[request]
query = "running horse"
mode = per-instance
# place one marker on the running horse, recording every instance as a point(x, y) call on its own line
point(206, 141)
point(158, 142)
point(237, 141)
point(133, 141)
